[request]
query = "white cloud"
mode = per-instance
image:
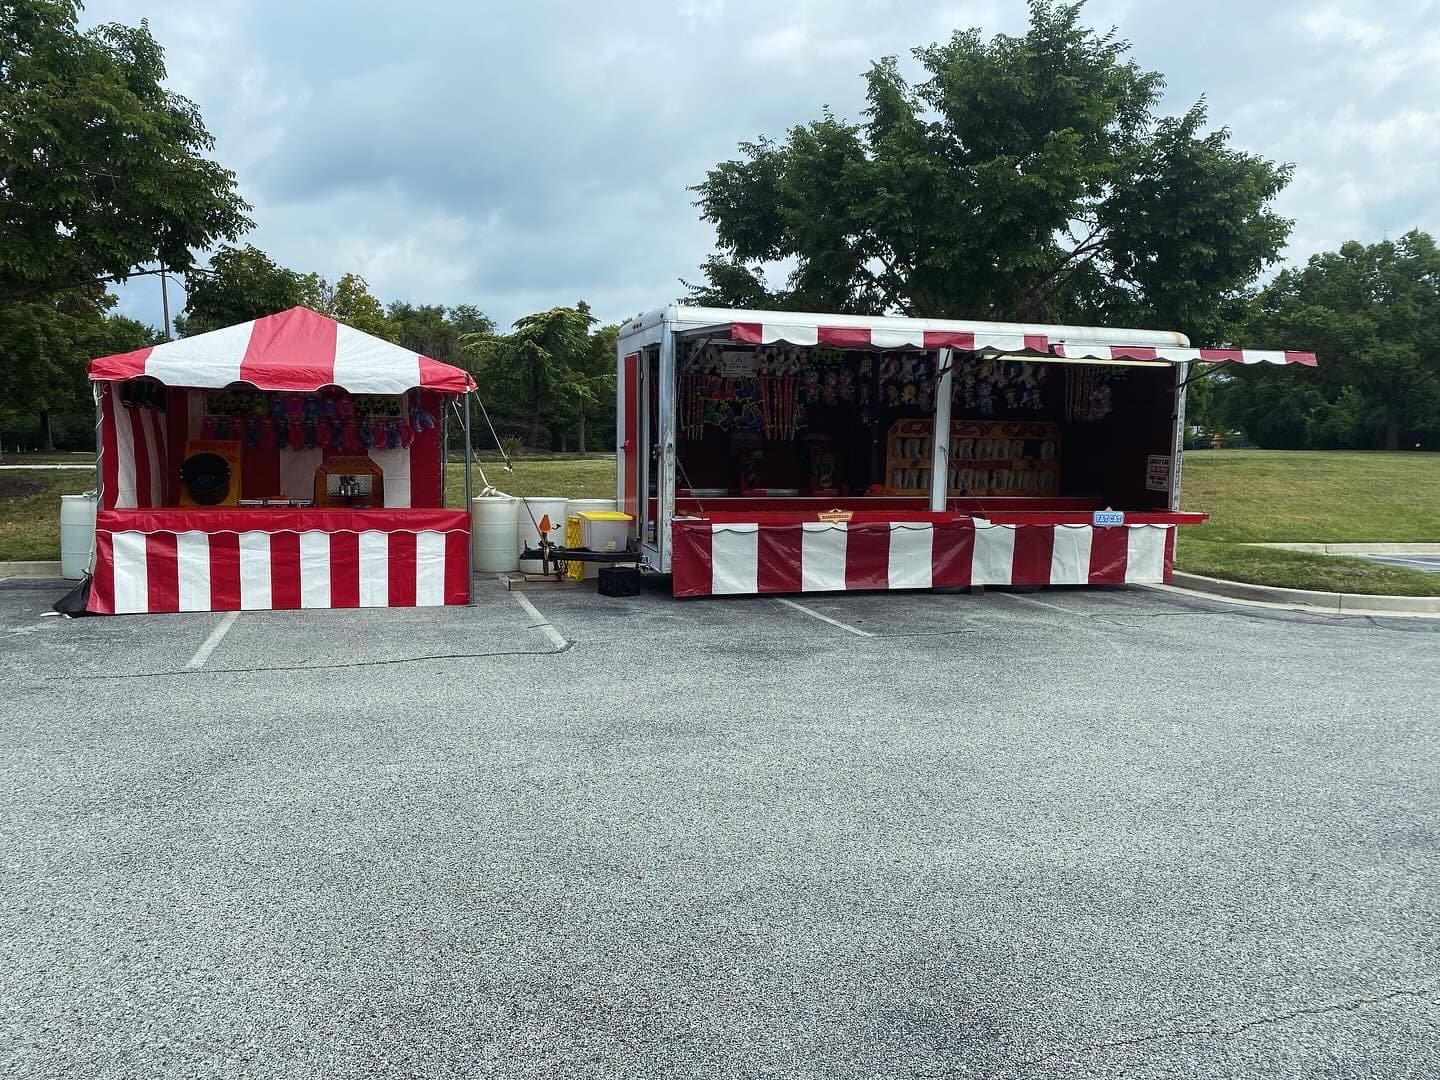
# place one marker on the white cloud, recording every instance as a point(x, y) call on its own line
point(517, 156)
point(1331, 26)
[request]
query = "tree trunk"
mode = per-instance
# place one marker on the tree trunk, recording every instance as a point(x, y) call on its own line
point(563, 439)
point(1392, 427)
point(535, 424)
point(580, 435)
point(46, 442)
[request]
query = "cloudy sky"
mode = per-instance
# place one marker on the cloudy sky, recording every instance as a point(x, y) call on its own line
point(521, 155)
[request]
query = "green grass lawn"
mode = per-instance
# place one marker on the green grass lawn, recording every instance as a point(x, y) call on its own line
point(1278, 496)
point(30, 510)
point(560, 478)
point(79, 458)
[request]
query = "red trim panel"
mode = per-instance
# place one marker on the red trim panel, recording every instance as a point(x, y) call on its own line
point(631, 443)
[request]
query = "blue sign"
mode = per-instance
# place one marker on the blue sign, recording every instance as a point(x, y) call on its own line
point(1102, 518)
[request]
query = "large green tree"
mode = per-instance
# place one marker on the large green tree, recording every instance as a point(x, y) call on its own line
point(540, 366)
point(1372, 312)
point(350, 301)
point(45, 344)
point(240, 284)
point(104, 174)
point(436, 331)
point(1026, 178)
point(103, 171)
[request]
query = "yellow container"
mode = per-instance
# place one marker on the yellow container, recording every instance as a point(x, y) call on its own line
point(573, 536)
point(604, 530)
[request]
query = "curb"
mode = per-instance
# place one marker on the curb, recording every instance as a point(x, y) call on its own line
point(30, 569)
point(1356, 549)
point(1337, 603)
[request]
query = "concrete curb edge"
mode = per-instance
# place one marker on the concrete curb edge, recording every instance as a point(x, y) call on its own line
point(1356, 549)
point(1336, 603)
point(30, 569)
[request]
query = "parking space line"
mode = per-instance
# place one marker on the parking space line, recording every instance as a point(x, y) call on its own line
point(216, 636)
point(1052, 607)
point(824, 618)
point(541, 623)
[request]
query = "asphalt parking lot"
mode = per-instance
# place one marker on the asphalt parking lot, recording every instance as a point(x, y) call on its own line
point(1071, 833)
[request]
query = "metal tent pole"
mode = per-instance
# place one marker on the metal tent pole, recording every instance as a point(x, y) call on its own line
point(940, 443)
point(469, 509)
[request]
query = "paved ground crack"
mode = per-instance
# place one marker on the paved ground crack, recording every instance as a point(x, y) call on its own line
point(1217, 1032)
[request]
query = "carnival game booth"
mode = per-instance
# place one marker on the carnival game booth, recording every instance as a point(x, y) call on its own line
point(289, 462)
point(775, 452)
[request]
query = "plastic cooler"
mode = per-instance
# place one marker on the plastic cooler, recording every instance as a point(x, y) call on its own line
point(604, 530)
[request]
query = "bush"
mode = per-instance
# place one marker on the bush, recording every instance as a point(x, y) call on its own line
point(512, 446)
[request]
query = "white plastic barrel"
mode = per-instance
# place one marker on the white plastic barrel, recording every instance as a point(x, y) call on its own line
point(531, 513)
point(492, 533)
point(77, 534)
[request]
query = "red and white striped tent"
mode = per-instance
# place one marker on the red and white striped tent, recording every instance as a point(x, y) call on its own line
point(152, 555)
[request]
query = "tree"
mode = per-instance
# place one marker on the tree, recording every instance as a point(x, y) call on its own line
point(1027, 178)
point(240, 284)
point(540, 364)
point(45, 344)
point(349, 301)
point(435, 331)
point(597, 373)
point(102, 169)
point(1372, 312)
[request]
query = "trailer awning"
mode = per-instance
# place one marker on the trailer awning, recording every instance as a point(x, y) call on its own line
point(1001, 338)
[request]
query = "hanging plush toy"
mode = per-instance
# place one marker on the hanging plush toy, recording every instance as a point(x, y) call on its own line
point(350, 436)
point(268, 439)
point(295, 422)
point(392, 435)
point(324, 432)
point(252, 432)
point(406, 433)
point(420, 419)
point(377, 434)
point(309, 436)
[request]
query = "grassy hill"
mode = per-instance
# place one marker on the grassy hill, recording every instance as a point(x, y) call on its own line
point(1278, 496)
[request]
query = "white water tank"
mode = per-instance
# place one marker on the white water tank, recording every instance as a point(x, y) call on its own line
point(527, 533)
point(492, 533)
point(77, 534)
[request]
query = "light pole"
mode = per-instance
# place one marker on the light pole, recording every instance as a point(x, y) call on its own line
point(165, 300)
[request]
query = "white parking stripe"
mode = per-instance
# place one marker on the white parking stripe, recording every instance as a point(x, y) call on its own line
point(540, 623)
point(824, 618)
point(216, 636)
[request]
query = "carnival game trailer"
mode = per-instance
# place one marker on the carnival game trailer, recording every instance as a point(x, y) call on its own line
point(787, 452)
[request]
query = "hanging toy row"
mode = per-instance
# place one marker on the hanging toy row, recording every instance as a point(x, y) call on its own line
point(327, 420)
point(777, 396)
point(1087, 394)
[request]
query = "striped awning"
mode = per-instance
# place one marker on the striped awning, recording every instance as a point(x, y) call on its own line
point(985, 339)
point(297, 349)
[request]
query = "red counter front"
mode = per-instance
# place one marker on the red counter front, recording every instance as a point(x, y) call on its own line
point(256, 559)
point(730, 553)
